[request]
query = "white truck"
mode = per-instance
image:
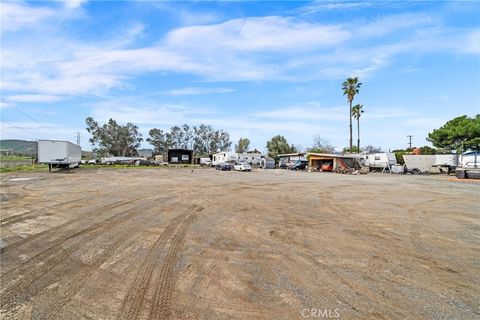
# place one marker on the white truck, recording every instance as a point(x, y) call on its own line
point(468, 166)
point(59, 154)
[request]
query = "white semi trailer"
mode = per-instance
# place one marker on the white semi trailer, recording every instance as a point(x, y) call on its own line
point(59, 154)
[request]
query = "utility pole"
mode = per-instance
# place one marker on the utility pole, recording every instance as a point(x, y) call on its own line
point(409, 142)
point(77, 135)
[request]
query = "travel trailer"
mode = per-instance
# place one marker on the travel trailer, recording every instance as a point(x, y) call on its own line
point(222, 157)
point(377, 161)
point(251, 158)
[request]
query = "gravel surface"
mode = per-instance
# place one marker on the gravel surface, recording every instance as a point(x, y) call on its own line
point(269, 244)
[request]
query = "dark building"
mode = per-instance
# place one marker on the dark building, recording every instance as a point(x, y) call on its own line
point(180, 156)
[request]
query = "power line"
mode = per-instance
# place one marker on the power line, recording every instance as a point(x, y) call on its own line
point(32, 118)
point(29, 132)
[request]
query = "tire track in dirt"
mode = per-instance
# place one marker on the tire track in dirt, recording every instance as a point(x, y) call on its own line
point(32, 270)
point(166, 280)
point(109, 206)
point(28, 215)
point(132, 304)
point(54, 304)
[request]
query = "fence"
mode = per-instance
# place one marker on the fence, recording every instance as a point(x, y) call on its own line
point(16, 163)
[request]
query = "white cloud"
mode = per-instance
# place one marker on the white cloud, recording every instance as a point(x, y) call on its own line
point(189, 91)
point(17, 15)
point(268, 48)
point(33, 98)
point(73, 4)
point(321, 6)
point(269, 33)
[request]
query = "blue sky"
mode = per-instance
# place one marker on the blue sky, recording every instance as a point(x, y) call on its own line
point(255, 69)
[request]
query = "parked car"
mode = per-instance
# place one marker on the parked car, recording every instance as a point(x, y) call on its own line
point(93, 161)
point(285, 165)
point(206, 163)
point(299, 165)
point(145, 163)
point(326, 167)
point(224, 166)
point(242, 167)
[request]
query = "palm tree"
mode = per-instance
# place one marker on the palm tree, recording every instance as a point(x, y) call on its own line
point(350, 88)
point(356, 113)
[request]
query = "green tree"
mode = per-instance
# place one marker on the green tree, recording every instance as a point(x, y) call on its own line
point(427, 150)
point(206, 140)
point(357, 111)
point(279, 145)
point(160, 141)
point(350, 150)
point(460, 134)
point(351, 87)
point(114, 139)
point(242, 145)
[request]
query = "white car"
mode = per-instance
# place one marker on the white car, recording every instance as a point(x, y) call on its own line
point(242, 167)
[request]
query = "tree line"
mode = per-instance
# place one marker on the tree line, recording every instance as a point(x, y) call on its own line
point(114, 139)
point(459, 134)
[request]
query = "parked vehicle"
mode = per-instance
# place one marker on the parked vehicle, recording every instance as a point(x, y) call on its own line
point(446, 162)
point(145, 163)
point(469, 166)
point(242, 167)
point(222, 157)
point(252, 158)
point(299, 165)
point(327, 167)
point(378, 161)
point(59, 154)
point(223, 166)
point(285, 165)
point(207, 162)
point(93, 161)
point(120, 160)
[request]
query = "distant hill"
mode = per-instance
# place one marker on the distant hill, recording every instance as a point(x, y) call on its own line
point(145, 152)
point(20, 147)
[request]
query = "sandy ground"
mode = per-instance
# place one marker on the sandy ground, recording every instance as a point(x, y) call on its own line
point(172, 243)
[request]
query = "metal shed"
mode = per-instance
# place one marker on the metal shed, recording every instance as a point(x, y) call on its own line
point(335, 161)
point(180, 156)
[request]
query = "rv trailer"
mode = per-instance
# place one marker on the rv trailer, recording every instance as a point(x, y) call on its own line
point(377, 161)
point(222, 157)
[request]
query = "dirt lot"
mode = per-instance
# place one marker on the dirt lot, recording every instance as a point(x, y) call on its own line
point(172, 243)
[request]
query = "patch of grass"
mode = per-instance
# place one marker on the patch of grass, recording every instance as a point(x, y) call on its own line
point(36, 167)
point(14, 158)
